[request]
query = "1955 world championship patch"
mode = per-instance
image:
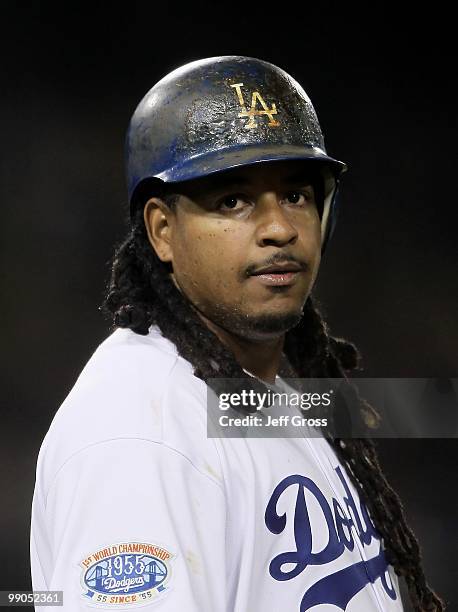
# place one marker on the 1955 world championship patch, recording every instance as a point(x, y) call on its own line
point(129, 573)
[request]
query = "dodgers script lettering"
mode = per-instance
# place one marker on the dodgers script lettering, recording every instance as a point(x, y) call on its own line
point(339, 587)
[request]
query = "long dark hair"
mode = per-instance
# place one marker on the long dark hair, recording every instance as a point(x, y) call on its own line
point(141, 293)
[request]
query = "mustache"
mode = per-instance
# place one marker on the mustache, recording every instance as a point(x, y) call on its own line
point(276, 258)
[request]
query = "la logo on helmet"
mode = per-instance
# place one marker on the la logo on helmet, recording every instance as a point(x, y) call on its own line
point(253, 112)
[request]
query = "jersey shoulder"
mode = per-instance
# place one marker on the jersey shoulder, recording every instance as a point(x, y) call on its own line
point(133, 387)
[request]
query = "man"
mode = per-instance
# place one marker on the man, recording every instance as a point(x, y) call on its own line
point(232, 200)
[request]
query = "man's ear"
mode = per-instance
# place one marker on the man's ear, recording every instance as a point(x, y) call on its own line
point(158, 222)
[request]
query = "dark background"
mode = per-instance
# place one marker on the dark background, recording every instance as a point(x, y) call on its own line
point(382, 83)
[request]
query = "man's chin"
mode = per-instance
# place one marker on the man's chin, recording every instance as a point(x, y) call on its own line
point(260, 327)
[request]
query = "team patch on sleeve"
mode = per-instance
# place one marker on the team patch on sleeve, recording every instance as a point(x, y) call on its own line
point(129, 573)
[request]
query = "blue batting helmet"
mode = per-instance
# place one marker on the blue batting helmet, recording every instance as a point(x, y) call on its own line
point(222, 112)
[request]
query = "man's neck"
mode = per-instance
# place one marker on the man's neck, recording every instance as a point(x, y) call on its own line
point(259, 358)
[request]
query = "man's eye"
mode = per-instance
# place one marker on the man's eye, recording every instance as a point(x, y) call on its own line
point(232, 202)
point(298, 197)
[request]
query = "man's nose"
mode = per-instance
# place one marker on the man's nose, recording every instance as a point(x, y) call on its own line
point(273, 225)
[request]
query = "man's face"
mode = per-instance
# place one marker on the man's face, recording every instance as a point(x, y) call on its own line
point(245, 246)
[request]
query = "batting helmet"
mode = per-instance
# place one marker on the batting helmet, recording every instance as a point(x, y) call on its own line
point(222, 112)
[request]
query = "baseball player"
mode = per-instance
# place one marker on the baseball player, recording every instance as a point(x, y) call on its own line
point(232, 200)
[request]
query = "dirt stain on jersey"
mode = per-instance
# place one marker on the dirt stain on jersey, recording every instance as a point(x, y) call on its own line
point(212, 472)
point(194, 562)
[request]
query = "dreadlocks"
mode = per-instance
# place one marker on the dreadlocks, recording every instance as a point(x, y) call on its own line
point(141, 293)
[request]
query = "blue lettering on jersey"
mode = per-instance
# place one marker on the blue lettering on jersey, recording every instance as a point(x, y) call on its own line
point(339, 587)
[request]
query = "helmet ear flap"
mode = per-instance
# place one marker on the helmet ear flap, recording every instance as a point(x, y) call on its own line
point(318, 191)
point(330, 183)
point(328, 222)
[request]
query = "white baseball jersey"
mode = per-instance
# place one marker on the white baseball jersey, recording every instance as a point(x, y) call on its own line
point(135, 507)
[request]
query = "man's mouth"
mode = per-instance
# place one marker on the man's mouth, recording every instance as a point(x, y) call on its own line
point(279, 268)
point(278, 274)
